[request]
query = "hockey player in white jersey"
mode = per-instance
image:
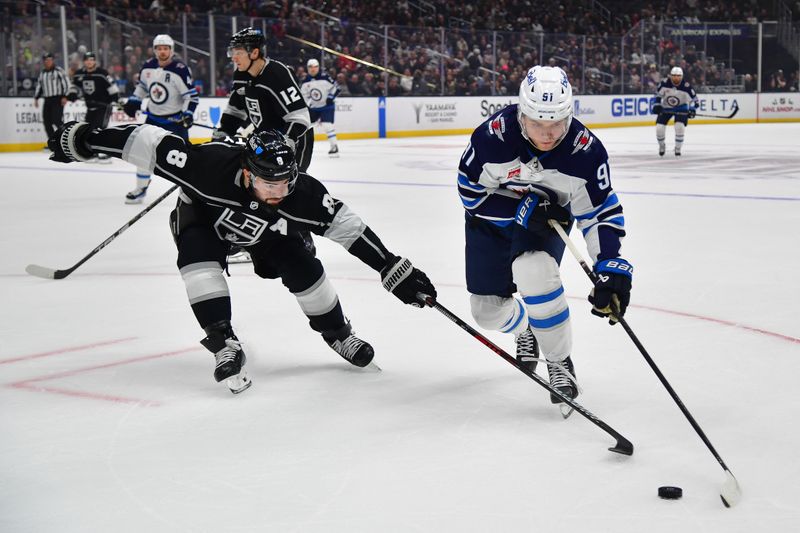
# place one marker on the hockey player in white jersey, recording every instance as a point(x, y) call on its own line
point(529, 163)
point(167, 85)
point(674, 98)
point(319, 91)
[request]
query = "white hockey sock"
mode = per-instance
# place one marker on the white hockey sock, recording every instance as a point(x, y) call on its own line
point(680, 130)
point(142, 180)
point(661, 133)
point(539, 282)
point(497, 313)
point(330, 132)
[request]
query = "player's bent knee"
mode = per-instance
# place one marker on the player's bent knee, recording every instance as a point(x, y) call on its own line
point(491, 312)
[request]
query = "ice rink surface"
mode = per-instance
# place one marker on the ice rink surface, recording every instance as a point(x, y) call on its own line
point(110, 419)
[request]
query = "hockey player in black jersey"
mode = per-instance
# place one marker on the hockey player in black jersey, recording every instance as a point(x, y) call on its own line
point(97, 88)
point(266, 94)
point(251, 196)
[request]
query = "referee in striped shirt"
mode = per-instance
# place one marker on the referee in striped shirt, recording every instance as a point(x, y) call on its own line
point(53, 85)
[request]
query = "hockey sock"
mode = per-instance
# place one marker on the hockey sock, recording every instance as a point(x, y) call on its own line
point(539, 282)
point(680, 130)
point(498, 313)
point(661, 132)
point(207, 291)
point(331, 132)
point(142, 180)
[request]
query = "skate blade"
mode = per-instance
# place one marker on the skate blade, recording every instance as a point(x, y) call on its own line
point(239, 383)
point(371, 367)
point(565, 409)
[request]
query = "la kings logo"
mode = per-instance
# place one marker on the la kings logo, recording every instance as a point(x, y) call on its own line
point(87, 86)
point(245, 229)
point(254, 110)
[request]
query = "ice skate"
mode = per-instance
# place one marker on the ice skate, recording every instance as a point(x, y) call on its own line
point(136, 196)
point(677, 152)
point(527, 350)
point(562, 378)
point(229, 356)
point(334, 151)
point(354, 350)
point(662, 149)
point(103, 159)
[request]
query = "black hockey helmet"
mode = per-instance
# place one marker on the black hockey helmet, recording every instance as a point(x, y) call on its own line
point(268, 156)
point(249, 39)
point(89, 55)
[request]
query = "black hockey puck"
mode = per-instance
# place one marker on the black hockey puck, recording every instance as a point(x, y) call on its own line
point(670, 493)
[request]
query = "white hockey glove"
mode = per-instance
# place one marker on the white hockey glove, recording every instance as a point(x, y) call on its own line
point(69, 143)
point(404, 281)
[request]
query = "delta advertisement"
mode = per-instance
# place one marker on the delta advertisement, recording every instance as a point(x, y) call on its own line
point(21, 123)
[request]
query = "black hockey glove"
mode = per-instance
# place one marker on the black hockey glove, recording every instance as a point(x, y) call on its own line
point(132, 106)
point(185, 119)
point(692, 112)
point(69, 143)
point(72, 97)
point(533, 212)
point(657, 108)
point(614, 277)
point(404, 281)
point(328, 101)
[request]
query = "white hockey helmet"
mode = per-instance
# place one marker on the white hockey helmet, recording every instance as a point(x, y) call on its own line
point(676, 71)
point(545, 94)
point(312, 63)
point(163, 39)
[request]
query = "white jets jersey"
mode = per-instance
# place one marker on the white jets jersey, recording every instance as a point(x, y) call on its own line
point(671, 96)
point(169, 89)
point(316, 90)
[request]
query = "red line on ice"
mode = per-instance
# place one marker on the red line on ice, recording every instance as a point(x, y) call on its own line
point(65, 350)
point(29, 384)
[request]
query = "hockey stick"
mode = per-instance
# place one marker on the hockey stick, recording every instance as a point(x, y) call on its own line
point(49, 273)
point(623, 445)
point(167, 121)
point(731, 493)
point(733, 113)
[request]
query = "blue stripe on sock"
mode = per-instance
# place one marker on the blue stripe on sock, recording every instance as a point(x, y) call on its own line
point(550, 322)
point(519, 318)
point(544, 298)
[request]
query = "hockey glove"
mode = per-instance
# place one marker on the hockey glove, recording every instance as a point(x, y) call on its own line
point(404, 281)
point(69, 143)
point(692, 112)
point(185, 119)
point(132, 106)
point(218, 135)
point(612, 289)
point(657, 108)
point(72, 97)
point(533, 212)
point(328, 101)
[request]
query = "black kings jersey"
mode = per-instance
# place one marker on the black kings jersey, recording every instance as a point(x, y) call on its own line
point(270, 100)
point(96, 87)
point(211, 177)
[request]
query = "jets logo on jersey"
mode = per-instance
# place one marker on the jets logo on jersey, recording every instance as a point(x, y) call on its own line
point(315, 95)
point(498, 127)
point(582, 141)
point(87, 86)
point(254, 111)
point(158, 92)
point(239, 228)
point(672, 100)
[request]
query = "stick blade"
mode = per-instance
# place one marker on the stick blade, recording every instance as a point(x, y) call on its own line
point(41, 272)
point(731, 493)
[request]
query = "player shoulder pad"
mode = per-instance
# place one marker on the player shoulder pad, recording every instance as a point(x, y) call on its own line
point(150, 63)
point(584, 143)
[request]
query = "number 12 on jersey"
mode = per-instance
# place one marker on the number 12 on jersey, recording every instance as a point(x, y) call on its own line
point(290, 95)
